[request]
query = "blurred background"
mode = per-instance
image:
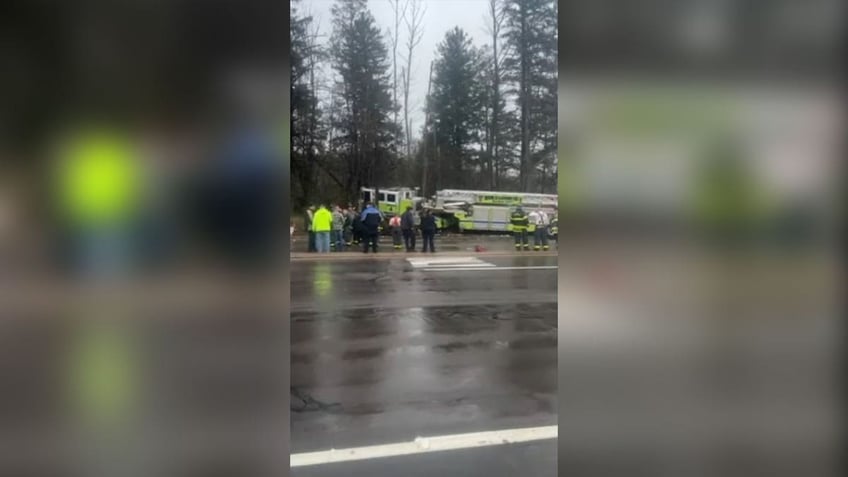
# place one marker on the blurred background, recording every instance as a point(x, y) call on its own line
point(143, 180)
point(143, 164)
point(701, 161)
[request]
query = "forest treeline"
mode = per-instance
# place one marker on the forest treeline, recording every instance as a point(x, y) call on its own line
point(490, 111)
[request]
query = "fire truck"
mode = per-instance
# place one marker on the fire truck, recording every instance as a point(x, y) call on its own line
point(392, 201)
point(488, 211)
point(461, 210)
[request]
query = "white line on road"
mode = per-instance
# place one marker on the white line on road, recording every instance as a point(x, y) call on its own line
point(457, 265)
point(485, 269)
point(425, 262)
point(423, 445)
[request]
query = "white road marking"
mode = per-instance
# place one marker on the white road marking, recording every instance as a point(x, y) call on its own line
point(469, 264)
point(485, 269)
point(426, 262)
point(423, 445)
point(457, 265)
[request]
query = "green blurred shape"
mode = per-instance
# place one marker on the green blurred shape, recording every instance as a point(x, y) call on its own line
point(569, 190)
point(103, 373)
point(651, 113)
point(323, 280)
point(728, 202)
point(99, 178)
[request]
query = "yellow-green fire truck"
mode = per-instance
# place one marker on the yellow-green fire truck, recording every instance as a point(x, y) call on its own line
point(462, 210)
point(488, 211)
point(394, 201)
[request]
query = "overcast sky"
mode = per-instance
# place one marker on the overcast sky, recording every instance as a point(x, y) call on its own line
point(440, 16)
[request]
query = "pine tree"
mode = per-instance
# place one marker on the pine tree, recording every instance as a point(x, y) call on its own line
point(456, 107)
point(307, 125)
point(531, 34)
point(493, 77)
point(366, 137)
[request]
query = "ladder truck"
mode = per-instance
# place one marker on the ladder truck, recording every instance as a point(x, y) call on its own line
point(462, 210)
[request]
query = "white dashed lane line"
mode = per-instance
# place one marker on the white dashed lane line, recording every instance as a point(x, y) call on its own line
point(468, 264)
point(478, 269)
point(423, 445)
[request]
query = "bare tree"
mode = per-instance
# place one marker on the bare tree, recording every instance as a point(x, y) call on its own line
point(530, 29)
point(494, 26)
point(413, 17)
point(424, 170)
point(394, 36)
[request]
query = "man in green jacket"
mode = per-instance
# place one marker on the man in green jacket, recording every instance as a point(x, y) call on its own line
point(322, 224)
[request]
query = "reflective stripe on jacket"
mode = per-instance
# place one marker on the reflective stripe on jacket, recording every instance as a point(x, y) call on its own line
point(519, 221)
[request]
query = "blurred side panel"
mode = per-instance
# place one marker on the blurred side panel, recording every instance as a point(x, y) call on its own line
point(144, 292)
point(701, 158)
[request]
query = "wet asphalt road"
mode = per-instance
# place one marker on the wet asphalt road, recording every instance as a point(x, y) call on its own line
point(384, 352)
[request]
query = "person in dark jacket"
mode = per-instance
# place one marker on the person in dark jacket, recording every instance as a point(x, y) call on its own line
point(310, 214)
point(357, 227)
point(347, 233)
point(371, 220)
point(407, 226)
point(428, 230)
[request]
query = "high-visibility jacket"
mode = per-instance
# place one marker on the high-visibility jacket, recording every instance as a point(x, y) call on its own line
point(100, 179)
point(322, 221)
point(519, 221)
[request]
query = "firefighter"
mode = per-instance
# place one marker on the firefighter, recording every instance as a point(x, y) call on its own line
point(553, 229)
point(540, 235)
point(520, 222)
point(533, 219)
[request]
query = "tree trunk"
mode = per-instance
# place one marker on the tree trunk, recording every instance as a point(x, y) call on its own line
point(405, 79)
point(496, 91)
point(396, 7)
point(425, 171)
point(415, 33)
point(525, 166)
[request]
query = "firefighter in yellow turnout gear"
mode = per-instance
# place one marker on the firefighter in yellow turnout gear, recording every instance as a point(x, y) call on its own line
point(520, 222)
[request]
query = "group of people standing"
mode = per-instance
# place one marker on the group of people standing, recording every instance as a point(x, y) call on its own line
point(338, 228)
point(406, 226)
point(541, 223)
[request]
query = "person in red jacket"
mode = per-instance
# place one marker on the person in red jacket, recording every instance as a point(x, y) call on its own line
point(394, 225)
